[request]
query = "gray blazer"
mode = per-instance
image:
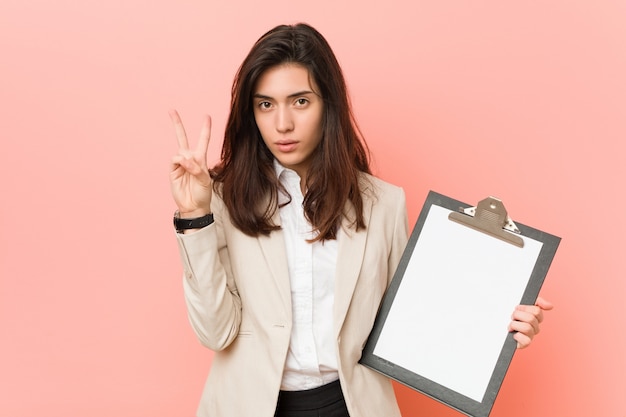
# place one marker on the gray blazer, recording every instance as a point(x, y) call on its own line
point(239, 304)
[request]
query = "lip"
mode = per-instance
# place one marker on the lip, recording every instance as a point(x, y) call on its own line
point(286, 145)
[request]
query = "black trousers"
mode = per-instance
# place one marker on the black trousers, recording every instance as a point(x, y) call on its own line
point(325, 401)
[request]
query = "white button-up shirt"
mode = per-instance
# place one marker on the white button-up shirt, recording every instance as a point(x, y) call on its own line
point(311, 360)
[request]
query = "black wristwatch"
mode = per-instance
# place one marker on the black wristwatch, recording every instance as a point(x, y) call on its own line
point(197, 223)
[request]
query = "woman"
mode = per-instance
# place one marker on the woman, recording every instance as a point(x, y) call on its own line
point(289, 243)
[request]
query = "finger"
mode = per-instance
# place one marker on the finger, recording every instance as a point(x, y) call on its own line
point(176, 161)
point(522, 340)
point(526, 317)
point(205, 137)
point(534, 310)
point(522, 327)
point(544, 304)
point(176, 172)
point(188, 164)
point(180, 129)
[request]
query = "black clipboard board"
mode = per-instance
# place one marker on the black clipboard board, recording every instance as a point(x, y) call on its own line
point(442, 325)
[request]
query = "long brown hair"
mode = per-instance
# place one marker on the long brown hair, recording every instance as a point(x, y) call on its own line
point(246, 178)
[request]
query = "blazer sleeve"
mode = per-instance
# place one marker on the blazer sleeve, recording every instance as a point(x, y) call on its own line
point(213, 302)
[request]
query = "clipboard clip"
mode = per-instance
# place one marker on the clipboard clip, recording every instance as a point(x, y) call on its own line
point(489, 217)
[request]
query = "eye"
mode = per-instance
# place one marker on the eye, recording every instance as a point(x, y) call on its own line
point(302, 102)
point(264, 105)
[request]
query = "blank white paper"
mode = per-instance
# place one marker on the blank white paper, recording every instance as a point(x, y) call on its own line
point(449, 318)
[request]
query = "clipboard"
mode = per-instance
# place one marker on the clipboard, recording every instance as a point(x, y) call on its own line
point(442, 327)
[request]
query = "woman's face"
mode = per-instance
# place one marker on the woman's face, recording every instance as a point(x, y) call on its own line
point(288, 112)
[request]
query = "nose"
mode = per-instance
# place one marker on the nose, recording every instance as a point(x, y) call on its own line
point(284, 120)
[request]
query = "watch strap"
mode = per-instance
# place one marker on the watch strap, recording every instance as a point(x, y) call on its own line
point(196, 223)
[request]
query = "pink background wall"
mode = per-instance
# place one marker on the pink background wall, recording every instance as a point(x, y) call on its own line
point(522, 100)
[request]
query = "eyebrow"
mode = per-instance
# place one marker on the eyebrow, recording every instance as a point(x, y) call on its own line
point(294, 95)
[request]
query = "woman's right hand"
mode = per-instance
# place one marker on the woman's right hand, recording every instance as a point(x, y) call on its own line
point(190, 181)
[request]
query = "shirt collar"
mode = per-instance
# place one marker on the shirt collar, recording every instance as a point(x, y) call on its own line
point(278, 168)
point(284, 174)
point(289, 178)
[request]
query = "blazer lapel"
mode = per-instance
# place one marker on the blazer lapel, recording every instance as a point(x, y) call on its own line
point(351, 250)
point(349, 259)
point(273, 249)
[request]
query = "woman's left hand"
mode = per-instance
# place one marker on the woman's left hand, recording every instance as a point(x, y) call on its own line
point(526, 320)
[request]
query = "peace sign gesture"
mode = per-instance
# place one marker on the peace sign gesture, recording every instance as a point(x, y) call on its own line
point(189, 176)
